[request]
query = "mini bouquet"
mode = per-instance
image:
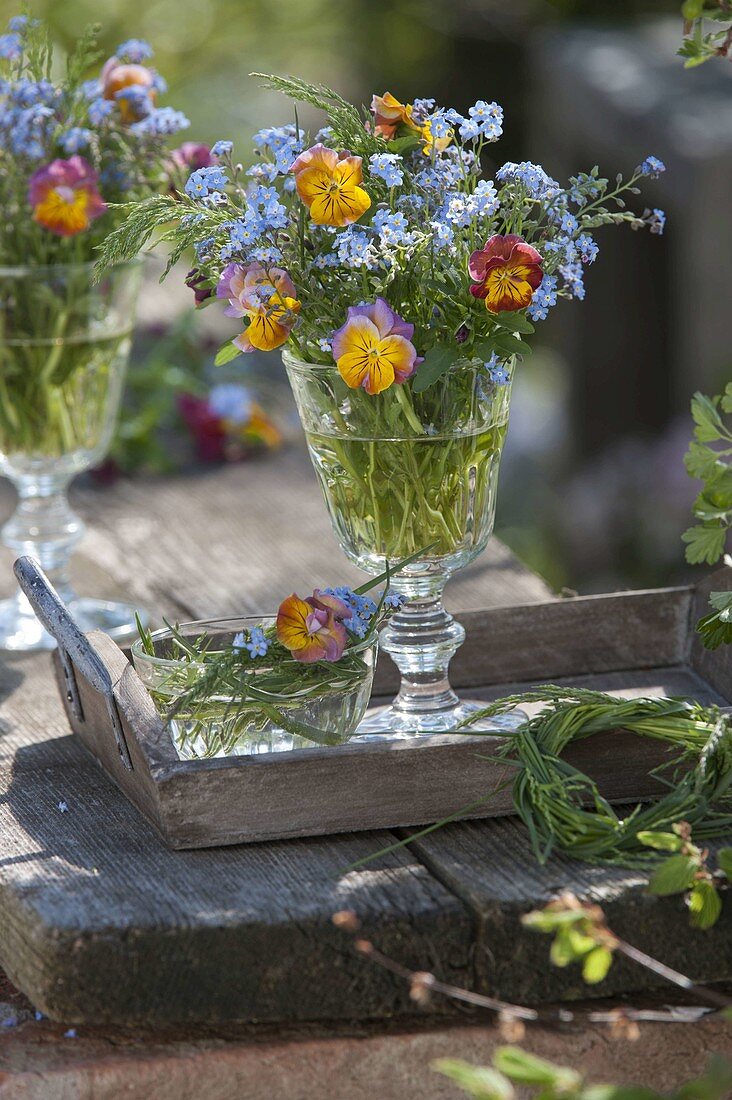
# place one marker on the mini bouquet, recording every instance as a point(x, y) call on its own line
point(70, 151)
point(228, 424)
point(377, 247)
point(299, 678)
point(403, 286)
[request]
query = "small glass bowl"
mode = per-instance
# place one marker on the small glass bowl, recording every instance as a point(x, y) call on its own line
point(332, 710)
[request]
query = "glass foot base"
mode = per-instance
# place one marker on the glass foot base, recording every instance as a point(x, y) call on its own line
point(385, 723)
point(20, 631)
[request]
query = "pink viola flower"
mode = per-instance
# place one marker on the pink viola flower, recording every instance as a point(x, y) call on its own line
point(312, 629)
point(64, 196)
point(192, 155)
point(266, 297)
point(374, 348)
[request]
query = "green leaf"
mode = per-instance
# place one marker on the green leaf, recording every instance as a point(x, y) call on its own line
point(663, 842)
point(548, 920)
point(700, 460)
point(673, 876)
point(562, 951)
point(724, 860)
point(704, 544)
point(709, 425)
point(715, 629)
point(226, 353)
point(722, 601)
point(596, 965)
point(507, 345)
point(515, 322)
point(705, 905)
point(727, 398)
point(527, 1069)
point(404, 144)
point(436, 362)
point(481, 1082)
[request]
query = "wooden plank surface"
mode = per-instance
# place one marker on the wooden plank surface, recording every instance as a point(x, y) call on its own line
point(496, 875)
point(236, 540)
point(99, 922)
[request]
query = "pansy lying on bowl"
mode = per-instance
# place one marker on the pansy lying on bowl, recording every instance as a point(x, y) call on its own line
point(298, 679)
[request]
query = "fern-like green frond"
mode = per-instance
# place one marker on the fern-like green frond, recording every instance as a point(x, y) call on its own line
point(141, 221)
point(83, 55)
point(345, 119)
point(318, 95)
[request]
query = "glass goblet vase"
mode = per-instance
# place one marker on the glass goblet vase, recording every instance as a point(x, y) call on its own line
point(406, 473)
point(64, 346)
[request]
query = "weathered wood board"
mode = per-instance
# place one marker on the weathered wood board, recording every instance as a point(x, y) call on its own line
point(101, 923)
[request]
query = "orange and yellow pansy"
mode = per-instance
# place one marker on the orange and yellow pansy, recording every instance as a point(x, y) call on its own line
point(329, 184)
point(64, 196)
point(312, 629)
point(391, 116)
point(266, 297)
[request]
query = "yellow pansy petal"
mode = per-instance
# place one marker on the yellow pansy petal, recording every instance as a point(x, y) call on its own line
point(353, 368)
point(312, 182)
point(266, 334)
point(379, 376)
point(349, 171)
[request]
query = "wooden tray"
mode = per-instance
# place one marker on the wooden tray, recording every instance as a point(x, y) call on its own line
point(634, 643)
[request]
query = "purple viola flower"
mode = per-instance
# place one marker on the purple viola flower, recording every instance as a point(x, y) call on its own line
point(197, 282)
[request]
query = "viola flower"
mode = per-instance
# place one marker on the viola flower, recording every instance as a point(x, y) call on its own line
point(267, 297)
point(117, 77)
point(191, 156)
point(505, 273)
point(64, 196)
point(390, 114)
point(313, 629)
point(206, 428)
point(328, 184)
point(196, 281)
point(373, 348)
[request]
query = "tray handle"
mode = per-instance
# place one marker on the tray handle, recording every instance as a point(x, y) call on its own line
point(75, 649)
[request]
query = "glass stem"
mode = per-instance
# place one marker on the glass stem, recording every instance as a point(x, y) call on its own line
point(44, 526)
point(421, 639)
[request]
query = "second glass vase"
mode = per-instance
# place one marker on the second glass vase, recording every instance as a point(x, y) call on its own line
point(407, 473)
point(64, 346)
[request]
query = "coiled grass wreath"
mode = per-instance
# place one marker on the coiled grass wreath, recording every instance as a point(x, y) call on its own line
point(563, 809)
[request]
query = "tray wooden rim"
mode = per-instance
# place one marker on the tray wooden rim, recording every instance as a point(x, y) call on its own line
point(245, 798)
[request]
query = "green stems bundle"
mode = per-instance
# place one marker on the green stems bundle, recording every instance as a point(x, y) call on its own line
point(64, 344)
point(405, 469)
point(563, 808)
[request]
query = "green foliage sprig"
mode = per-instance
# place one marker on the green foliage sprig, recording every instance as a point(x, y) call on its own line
point(686, 871)
point(548, 1081)
point(702, 45)
point(709, 458)
point(564, 810)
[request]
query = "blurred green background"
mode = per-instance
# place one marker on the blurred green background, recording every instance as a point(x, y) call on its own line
point(593, 491)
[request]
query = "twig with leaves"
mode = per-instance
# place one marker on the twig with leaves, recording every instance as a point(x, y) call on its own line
point(700, 44)
point(581, 934)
